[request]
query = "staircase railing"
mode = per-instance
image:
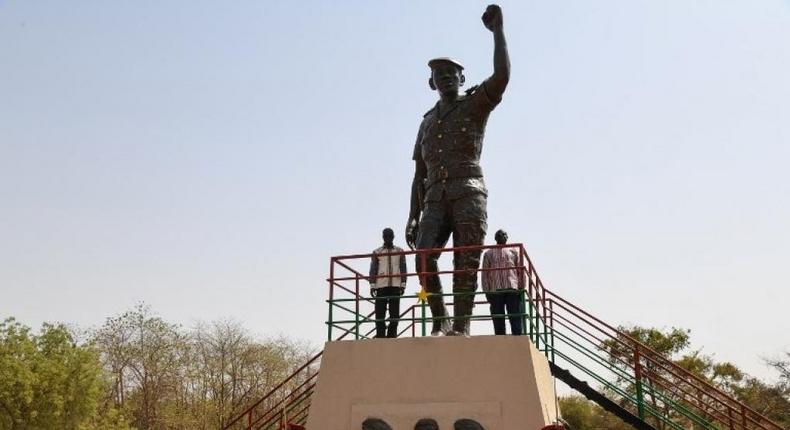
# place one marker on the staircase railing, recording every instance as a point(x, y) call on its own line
point(661, 393)
point(287, 402)
point(656, 388)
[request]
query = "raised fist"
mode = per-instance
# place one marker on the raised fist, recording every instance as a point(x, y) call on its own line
point(492, 17)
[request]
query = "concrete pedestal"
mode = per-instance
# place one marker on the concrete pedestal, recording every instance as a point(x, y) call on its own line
point(502, 382)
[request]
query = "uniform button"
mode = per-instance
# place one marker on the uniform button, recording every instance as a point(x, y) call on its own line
point(444, 181)
point(439, 136)
point(463, 128)
point(440, 121)
point(440, 150)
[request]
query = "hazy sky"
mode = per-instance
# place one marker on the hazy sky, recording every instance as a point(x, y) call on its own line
point(208, 157)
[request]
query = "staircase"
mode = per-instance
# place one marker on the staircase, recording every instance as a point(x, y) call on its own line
point(640, 386)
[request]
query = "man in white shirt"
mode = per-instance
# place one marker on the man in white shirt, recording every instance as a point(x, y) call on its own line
point(387, 283)
point(501, 286)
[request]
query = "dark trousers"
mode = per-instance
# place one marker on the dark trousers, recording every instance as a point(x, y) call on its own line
point(387, 297)
point(510, 300)
point(465, 220)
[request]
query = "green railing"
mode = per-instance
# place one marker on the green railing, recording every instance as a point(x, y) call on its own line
point(627, 372)
point(651, 386)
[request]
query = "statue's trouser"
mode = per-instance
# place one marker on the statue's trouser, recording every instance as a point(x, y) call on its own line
point(464, 219)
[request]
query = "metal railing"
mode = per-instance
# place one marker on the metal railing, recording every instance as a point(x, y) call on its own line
point(287, 403)
point(627, 371)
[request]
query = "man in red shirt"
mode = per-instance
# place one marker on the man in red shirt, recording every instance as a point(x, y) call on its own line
point(500, 283)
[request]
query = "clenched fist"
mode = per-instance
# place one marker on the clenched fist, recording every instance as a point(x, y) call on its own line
point(492, 17)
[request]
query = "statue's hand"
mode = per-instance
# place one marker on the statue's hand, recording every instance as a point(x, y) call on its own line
point(492, 17)
point(411, 233)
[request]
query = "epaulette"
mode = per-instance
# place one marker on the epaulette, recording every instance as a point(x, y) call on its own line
point(472, 90)
point(429, 112)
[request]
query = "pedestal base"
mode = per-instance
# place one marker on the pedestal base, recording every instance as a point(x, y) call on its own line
point(502, 382)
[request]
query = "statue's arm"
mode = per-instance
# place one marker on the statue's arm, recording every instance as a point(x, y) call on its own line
point(417, 190)
point(415, 203)
point(417, 193)
point(496, 84)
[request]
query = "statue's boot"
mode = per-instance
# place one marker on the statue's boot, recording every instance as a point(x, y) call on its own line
point(462, 310)
point(438, 310)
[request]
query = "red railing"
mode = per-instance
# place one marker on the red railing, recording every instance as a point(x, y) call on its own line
point(271, 410)
point(640, 379)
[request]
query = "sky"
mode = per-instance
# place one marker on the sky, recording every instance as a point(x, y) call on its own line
point(207, 158)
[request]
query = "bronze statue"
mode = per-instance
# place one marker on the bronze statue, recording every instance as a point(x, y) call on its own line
point(448, 194)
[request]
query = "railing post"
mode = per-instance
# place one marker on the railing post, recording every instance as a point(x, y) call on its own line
point(413, 323)
point(422, 318)
point(249, 420)
point(423, 283)
point(530, 299)
point(521, 289)
point(537, 316)
point(331, 296)
point(545, 322)
point(640, 397)
point(551, 322)
point(729, 417)
point(743, 415)
point(356, 309)
point(522, 298)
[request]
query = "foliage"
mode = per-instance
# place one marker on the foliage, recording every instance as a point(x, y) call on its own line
point(782, 366)
point(141, 372)
point(165, 377)
point(665, 387)
point(582, 414)
point(137, 371)
point(145, 355)
point(47, 381)
point(578, 412)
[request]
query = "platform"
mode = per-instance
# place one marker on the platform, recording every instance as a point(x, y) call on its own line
point(503, 382)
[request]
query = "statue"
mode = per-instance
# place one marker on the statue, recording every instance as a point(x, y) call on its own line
point(448, 194)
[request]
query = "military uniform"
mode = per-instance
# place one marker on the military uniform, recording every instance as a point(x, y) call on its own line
point(449, 144)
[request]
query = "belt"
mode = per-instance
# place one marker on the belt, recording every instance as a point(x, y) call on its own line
point(443, 173)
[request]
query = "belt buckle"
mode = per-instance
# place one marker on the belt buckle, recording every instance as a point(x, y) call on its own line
point(443, 174)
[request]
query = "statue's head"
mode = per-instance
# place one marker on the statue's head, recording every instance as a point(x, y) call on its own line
point(388, 235)
point(467, 424)
point(375, 424)
point(447, 75)
point(426, 424)
point(501, 237)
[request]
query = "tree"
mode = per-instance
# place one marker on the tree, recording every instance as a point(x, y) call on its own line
point(165, 377)
point(47, 381)
point(578, 412)
point(770, 400)
point(144, 354)
point(782, 366)
point(582, 414)
point(666, 343)
point(665, 388)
